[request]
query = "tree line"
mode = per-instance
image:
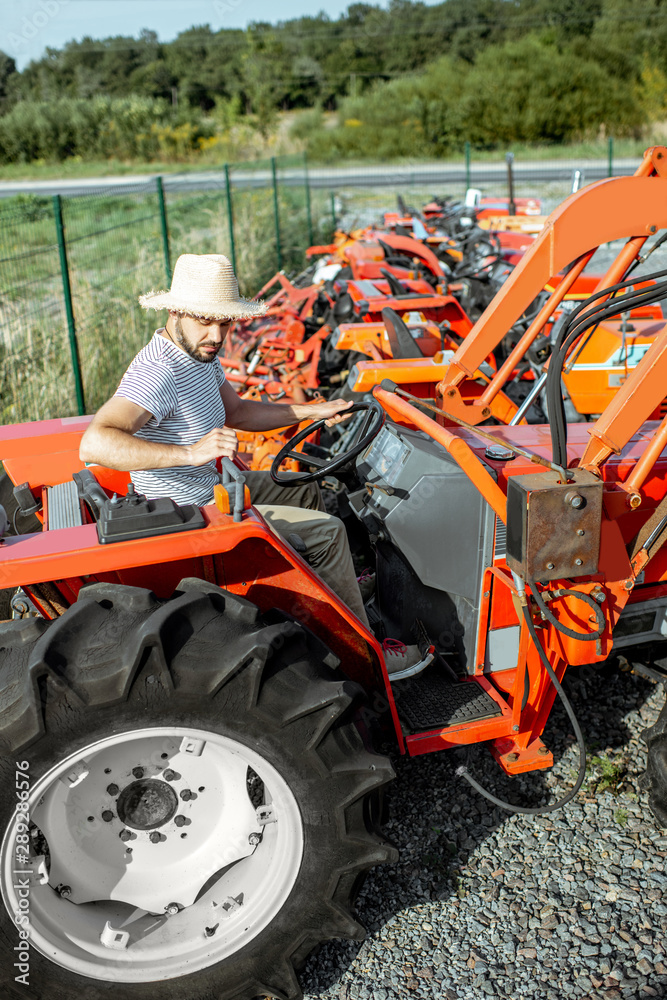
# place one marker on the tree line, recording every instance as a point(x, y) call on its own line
point(417, 77)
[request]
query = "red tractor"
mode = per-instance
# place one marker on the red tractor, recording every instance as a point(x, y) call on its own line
point(190, 794)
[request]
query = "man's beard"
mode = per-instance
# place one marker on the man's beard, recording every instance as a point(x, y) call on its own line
point(194, 352)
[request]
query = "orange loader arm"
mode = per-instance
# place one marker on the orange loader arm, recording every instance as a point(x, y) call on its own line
point(623, 207)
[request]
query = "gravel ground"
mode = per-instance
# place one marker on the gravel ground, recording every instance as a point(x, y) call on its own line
point(484, 904)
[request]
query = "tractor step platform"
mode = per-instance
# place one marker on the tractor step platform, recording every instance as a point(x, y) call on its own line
point(431, 701)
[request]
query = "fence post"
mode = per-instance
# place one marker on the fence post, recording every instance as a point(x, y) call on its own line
point(333, 209)
point(67, 292)
point(230, 217)
point(610, 156)
point(467, 155)
point(165, 229)
point(309, 216)
point(276, 213)
point(509, 159)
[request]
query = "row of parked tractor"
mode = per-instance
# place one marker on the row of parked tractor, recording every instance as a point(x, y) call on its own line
point(397, 300)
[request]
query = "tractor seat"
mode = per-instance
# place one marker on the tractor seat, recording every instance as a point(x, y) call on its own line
point(403, 344)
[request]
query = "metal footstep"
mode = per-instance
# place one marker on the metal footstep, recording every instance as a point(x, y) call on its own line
point(431, 701)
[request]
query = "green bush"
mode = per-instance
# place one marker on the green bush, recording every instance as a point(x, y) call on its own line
point(533, 91)
point(101, 127)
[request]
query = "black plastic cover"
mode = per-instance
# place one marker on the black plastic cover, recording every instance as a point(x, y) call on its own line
point(25, 499)
point(122, 519)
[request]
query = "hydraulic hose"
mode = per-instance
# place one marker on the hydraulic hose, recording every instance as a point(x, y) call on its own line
point(559, 803)
point(584, 316)
point(587, 599)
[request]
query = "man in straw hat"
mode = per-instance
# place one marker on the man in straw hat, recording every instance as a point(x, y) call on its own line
point(174, 414)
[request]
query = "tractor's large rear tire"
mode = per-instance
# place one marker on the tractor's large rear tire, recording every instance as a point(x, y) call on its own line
point(201, 801)
point(655, 778)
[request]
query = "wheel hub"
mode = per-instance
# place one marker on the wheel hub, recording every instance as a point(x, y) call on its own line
point(147, 804)
point(148, 822)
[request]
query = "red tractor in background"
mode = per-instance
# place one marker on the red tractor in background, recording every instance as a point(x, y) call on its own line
point(190, 791)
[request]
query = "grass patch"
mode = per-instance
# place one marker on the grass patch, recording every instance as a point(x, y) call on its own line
point(621, 817)
point(605, 774)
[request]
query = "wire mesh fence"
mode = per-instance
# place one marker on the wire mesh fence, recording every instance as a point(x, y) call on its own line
point(72, 266)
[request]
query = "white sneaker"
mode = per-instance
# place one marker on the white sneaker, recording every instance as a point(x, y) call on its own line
point(399, 657)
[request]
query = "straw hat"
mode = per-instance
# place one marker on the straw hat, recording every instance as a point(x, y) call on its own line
point(205, 286)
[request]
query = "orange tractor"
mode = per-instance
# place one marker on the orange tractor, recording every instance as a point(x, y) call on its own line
point(190, 793)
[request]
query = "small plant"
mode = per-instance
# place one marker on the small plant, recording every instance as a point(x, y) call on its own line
point(605, 774)
point(621, 817)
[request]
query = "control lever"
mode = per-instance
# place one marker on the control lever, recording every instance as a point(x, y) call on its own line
point(90, 491)
point(388, 490)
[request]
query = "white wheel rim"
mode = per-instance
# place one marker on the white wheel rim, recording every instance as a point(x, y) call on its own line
point(105, 927)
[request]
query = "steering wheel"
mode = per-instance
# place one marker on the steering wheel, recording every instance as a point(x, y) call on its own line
point(371, 426)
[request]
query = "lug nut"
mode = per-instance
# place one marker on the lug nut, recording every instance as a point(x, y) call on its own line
point(107, 815)
point(169, 775)
point(125, 835)
point(138, 772)
point(64, 891)
point(186, 795)
point(155, 837)
point(254, 839)
point(113, 789)
point(180, 820)
point(172, 909)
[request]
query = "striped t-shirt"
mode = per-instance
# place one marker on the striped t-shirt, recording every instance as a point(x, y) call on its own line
point(183, 396)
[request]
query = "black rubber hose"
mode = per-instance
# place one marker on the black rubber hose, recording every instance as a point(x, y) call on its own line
point(568, 337)
point(610, 290)
point(559, 803)
point(587, 599)
point(570, 332)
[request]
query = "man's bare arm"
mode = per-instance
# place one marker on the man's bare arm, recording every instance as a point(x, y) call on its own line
point(250, 415)
point(110, 441)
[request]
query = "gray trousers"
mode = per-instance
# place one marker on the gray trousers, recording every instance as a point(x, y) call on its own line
point(297, 510)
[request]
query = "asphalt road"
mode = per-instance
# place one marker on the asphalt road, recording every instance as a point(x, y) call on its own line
point(368, 175)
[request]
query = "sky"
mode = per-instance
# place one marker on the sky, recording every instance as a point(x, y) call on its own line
point(27, 27)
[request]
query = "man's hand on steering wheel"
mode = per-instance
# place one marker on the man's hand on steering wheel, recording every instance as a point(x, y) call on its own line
point(332, 411)
point(371, 425)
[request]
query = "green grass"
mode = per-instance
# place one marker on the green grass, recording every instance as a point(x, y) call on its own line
point(605, 774)
point(77, 168)
point(621, 817)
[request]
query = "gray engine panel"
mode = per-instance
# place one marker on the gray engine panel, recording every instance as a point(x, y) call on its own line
point(438, 522)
